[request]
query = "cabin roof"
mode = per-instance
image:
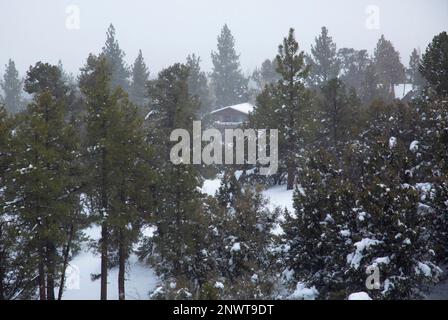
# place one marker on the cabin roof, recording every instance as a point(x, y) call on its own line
point(245, 108)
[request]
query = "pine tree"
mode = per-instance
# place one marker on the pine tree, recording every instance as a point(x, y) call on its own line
point(431, 166)
point(354, 65)
point(242, 235)
point(132, 201)
point(293, 100)
point(324, 62)
point(337, 113)
point(415, 77)
point(434, 64)
point(400, 227)
point(318, 233)
point(120, 175)
point(289, 107)
point(370, 89)
point(198, 84)
point(181, 238)
point(389, 69)
point(140, 77)
point(43, 77)
point(115, 58)
point(266, 74)
point(229, 84)
point(12, 88)
point(42, 184)
point(266, 115)
point(102, 116)
point(74, 110)
point(16, 262)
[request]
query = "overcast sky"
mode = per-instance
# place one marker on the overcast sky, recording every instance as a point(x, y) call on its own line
point(168, 30)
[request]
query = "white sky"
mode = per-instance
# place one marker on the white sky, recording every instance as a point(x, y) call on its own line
point(168, 30)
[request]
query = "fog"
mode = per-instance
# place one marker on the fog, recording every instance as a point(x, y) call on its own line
point(168, 30)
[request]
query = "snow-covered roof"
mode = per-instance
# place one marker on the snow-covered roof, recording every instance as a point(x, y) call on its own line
point(243, 107)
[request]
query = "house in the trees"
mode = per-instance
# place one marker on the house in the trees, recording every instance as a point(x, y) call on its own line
point(230, 117)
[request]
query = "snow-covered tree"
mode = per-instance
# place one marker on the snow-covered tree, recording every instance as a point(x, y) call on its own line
point(115, 58)
point(229, 83)
point(324, 61)
point(12, 88)
point(389, 69)
point(140, 75)
point(434, 66)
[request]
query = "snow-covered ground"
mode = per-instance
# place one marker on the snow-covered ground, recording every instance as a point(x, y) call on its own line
point(140, 279)
point(210, 186)
point(278, 196)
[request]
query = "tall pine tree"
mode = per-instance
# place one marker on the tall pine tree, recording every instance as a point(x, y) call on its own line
point(324, 60)
point(198, 84)
point(413, 71)
point(12, 89)
point(434, 66)
point(229, 84)
point(389, 69)
point(140, 76)
point(115, 58)
point(293, 100)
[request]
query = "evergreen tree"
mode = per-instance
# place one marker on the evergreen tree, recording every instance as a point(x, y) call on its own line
point(389, 69)
point(132, 201)
point(115, 58)
point(267, 74)
point(12, 88)
point(415, 77)
point(180, 243)
point(17, 270)
point(338, 113)
point(364, 213)
point(118, 162)
point(318, 233)
point(370, 89)
point(229, 84)
point(400, 226)
point(293, 100)
point(74, 110)
point(354, 65)
point(198, 84)
point(42, 186)
point(242, 235)
point(266, 115)
point(434, 64)
point(324, 61)
point(46, 77)
point(140, 77)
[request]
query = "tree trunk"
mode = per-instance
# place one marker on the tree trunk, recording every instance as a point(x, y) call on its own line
point(291, 177)
point(104, 260)
point(50, 259)
point(41, 278)
point(2, 276)
point(121, 266)
point(65, 256)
